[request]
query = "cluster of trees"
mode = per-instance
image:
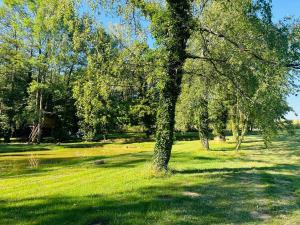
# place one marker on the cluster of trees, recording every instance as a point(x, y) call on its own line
point(214, 65)
point(61, 72)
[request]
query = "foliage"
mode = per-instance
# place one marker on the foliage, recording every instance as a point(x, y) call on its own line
point(224, 60)
point(241, 52)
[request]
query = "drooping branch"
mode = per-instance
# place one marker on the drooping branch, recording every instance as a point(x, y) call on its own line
point(232, 81)
point(227, 76)
point(242, 48)
point(294, 66)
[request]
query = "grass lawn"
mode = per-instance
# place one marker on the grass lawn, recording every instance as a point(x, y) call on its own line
point(67, 184)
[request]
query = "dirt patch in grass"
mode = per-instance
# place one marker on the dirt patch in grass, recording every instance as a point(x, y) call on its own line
point(191, 194)
point(262, 216)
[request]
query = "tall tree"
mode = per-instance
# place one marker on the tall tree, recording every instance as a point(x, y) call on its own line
point(48, 33)
point(97, 90)
point(14, 75)
point(230, 32)
point(170, 23)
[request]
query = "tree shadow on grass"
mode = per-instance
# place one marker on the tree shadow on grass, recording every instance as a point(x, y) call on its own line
point(23, 167)
point(83, 145)
point(205, 158)
point(23, 147)
point(124, 163)
point(237, 198)
point(11, 148)
point(278, 167)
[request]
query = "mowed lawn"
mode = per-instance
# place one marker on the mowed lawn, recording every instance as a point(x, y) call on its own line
point(94, 183)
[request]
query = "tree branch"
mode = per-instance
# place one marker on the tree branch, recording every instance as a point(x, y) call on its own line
point(191, 56)
point(242, 48)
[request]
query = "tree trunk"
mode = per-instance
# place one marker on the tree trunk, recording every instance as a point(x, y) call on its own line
point(205, 143)
point(242, 135)
point(36, 134)
point(177, 34)
point(239, 143)
point(203, 126)
point(164, 130)
point(7, 135)
point(40, 118)
point(203, 120)
point(235, 122)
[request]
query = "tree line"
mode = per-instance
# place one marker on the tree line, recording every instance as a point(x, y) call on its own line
point(214, 65)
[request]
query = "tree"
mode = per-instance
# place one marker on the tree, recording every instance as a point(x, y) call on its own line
point(231, 32)
point(140, 71)
point(94, 91)
point(218, 112)
point(170, 24)
point(14, 76)
point(245, 50)
point(192, 108)
point(46, 32)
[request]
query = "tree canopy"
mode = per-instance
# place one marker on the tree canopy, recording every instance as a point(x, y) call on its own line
point(214, 65)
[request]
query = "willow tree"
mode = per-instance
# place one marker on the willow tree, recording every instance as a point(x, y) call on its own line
point(192, 111)
point(252, 57)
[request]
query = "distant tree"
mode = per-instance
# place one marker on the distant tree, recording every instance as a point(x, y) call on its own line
point(46, 36)
point(192, 108)
point(96, 90)
point(140, 72)
point(218, 112)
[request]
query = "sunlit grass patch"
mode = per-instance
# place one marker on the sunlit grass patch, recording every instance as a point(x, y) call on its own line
point(221, 186)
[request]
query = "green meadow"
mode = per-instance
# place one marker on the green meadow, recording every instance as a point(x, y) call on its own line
point(112, 183)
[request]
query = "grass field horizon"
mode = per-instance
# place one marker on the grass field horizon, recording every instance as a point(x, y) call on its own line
point(112, 183)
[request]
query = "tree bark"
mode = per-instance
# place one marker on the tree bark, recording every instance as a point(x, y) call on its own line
point(177, 34)
point(40, 118)
point(235, 121)
point(241, 137)
point(203, 120)
point(164, 130)
point(205, 143)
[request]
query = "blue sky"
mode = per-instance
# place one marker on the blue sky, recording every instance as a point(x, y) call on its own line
point(282, 8)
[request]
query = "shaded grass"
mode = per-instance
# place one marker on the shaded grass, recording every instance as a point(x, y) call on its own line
point(222, 186)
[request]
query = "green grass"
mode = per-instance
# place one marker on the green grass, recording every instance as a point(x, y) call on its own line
point(51, 184)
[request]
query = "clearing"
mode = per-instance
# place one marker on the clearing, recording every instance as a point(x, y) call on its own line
point(111, 183)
